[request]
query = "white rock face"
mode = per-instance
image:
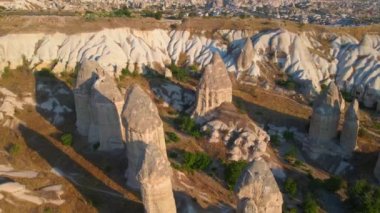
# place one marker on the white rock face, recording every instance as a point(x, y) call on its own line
point(349, 134)
point(98, 105)
point(214, 88)
point(355, 64)
point(257, 190)
point(143, 126)
point(155, 180)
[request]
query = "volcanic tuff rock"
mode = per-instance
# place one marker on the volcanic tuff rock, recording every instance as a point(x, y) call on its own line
point(354, 63)
point(106, 105)
point(87, 75)
point(257, 190)
point(214, 88)
point(245, 61)
point(143, 126)
point(155, 180)
point(98, 104)
point(244, 139)
point(325, 118)
point(349, 135)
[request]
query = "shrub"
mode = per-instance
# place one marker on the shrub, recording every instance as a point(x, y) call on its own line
point(179, 73)
point(196, 161)
point(310, 205)
point(67, 139)
point(147, 13)
point(122, 12)
point(173, 155)
point(347, 96)
point(172, 137)
point(275, 140)
point(290, 187)
point(45, 72)
point(233, 171)
point(14, 149)
point(6, 72)
point(288, 84)
point(188, 125)
point(364, 197)
point(333, 184)
point(288, 135)
point(291, 155)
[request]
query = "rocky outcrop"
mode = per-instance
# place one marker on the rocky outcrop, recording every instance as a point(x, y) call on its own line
point(257, 190)
point(106, 106)
point(155, 179)
point(244, 139)
point(245, 61)
point(87, 75)
point(349, 134)
point(325, 118)
point(354, 64)
point(98, 104)
point(143, 126)
point(214, 88)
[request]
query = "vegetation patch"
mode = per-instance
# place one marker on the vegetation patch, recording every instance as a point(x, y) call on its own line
point(233, 171)
point(188, 125)
point(364, 197)
point(45, 73)
point(67, 139)
point(290, 187)
point(171, 137)
point(14, 149)
point(196, 161)
point(288, 84)
point(179, 73)
point(310, 205)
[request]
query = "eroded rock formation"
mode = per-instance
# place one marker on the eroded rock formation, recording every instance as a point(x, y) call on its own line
point(155, 179)
point(244, 139)
point(87, 75)
point(143, 126)
point(106, 105)
point(245, 59)
point(349, 134)
point(325, 118)
point(98, 104)
point(214, 88)
point(257, 190)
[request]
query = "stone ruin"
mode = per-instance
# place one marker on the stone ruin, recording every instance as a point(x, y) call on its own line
point(324, 141)
point(143, 126)
point(257, 190)
point(155, 180)
point(98, 104)
point(214, 88)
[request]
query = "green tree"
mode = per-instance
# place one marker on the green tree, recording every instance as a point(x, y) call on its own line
point(233, 171)
point(291, 187)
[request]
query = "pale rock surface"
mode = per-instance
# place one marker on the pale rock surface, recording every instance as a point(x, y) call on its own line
point(143, 126)
point(155, 179)
point(87, 75)
point(174, 95)
point(326, 114)
point(214, 88)
point(257, 190)
point(349, 134)
point(106, 105)
point(246, 140)
point(246, 60)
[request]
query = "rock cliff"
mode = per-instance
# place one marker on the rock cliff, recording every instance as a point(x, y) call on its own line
point(214, 88)
point(257, 190)
point(143, 126)
point(155, 179)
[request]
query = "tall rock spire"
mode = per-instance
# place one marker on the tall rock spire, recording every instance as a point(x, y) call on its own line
point(143, 126)
point(257, 190)
point(349, 135)
point(326, 114)
point(155, 179)
point(214, 88)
